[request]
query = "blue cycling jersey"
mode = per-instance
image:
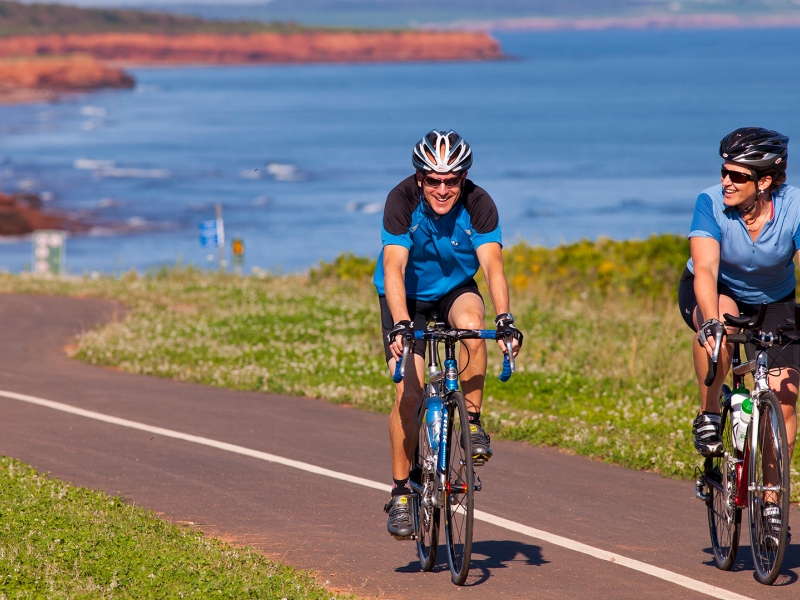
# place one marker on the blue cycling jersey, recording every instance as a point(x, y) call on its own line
point(442, 249)
point(760, 271)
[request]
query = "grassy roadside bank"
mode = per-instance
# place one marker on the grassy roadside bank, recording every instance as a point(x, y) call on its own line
point(60, 541)
point(605, 371)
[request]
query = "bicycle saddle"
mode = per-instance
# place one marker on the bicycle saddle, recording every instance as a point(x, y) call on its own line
point(737, 321)
point(746, 322)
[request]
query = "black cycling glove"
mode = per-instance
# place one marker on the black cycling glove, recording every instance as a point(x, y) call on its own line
point(505, 328)
point(708, 330)
point(404, 328)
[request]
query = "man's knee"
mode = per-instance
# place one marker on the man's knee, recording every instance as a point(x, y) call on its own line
point(407, 400)
point(470, 319)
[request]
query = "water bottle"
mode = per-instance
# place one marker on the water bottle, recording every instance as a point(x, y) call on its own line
point(450, 374)
point(433, 420)
point(737, 397)
point(744, 421)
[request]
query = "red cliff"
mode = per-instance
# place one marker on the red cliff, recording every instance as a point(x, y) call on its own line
point(59, 73)
point(267, 47)
point(21, 215)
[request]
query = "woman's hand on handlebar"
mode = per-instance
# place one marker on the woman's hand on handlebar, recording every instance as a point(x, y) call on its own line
point(708, 332)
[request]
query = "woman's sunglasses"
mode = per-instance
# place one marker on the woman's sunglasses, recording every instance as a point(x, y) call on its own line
point(736, 176)
point(435, 183)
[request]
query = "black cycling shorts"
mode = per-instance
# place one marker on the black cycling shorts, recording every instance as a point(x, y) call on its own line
point(422, 311)
point(777, 313)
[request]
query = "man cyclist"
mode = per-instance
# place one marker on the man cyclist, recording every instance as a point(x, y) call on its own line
point(438, 228)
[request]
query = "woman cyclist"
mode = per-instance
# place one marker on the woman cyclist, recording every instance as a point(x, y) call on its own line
point(745, 234)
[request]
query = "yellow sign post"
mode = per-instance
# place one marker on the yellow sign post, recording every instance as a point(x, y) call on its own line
point(237, 254)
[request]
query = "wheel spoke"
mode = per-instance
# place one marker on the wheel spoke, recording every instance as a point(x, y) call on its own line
point(768, 491)
point(459, 491)
point(723, 517)
point(426, 511)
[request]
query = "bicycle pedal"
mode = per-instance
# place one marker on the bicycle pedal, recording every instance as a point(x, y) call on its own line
point(478, 460)
point(405, 538)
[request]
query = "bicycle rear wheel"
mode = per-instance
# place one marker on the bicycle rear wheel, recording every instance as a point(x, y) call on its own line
point(459, 490)
point(724, 519)
point(769, 483)
point(426, 512)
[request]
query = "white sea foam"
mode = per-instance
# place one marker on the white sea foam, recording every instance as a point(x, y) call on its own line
point(283, 172)
point(136, 222)
point(97, 112)
point(372, 208)
point(91, 164)
point(365, 208)
point(129, 172)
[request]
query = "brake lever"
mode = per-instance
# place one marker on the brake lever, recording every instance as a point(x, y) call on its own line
point(712, 366)
point(400, 368)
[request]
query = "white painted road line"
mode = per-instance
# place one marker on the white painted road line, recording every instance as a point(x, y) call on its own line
point(556, 540)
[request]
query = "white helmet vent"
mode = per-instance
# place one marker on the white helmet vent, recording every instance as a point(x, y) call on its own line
point(442, 152)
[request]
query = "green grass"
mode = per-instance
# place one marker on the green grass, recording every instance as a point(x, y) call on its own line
point(605, 371)
point(18, 18)
point(60, 541)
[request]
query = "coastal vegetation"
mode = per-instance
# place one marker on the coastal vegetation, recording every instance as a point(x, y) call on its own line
point(62, 541)
point(605, 371)
point(17, 18)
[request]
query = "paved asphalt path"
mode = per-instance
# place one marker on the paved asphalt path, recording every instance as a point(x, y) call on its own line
point(334, 527)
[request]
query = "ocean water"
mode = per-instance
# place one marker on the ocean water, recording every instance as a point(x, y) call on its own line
point(578, 135)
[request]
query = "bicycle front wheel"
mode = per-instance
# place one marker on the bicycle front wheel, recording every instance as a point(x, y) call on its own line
point(768, 495)
point(459, 490)
point(425, 510)
point(724, 519)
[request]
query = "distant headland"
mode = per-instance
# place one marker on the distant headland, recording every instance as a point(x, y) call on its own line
point(51, 48)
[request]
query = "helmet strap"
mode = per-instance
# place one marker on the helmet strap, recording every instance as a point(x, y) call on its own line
point(749, 209)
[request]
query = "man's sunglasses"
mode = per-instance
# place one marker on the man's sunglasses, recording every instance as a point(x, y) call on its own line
point(435, 183)
point(736, 176)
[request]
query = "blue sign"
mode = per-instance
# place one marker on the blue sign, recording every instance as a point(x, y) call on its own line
point(212, 233)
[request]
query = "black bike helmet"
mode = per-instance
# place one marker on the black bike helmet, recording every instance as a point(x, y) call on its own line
point(755, 147)
point(442, 152)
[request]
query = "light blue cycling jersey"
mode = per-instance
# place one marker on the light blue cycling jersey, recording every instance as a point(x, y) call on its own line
point(442, 249)
point(760, 271)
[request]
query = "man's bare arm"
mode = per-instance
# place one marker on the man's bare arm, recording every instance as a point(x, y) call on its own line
point(491, 258)
point(395, 259)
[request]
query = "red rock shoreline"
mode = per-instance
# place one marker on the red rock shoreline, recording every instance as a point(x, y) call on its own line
point(21, 214)
point(36, 67)
point(158, 49)
point(35, 78)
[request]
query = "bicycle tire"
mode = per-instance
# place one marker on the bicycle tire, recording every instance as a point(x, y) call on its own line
point(724, 519)
point(427, 516)
point(459, 496)
point(771, 454)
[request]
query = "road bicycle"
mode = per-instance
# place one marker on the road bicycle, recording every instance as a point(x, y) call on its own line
point(756, 476)
point(442, 472)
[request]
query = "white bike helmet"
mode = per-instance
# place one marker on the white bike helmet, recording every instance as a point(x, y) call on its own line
point(442, 152)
